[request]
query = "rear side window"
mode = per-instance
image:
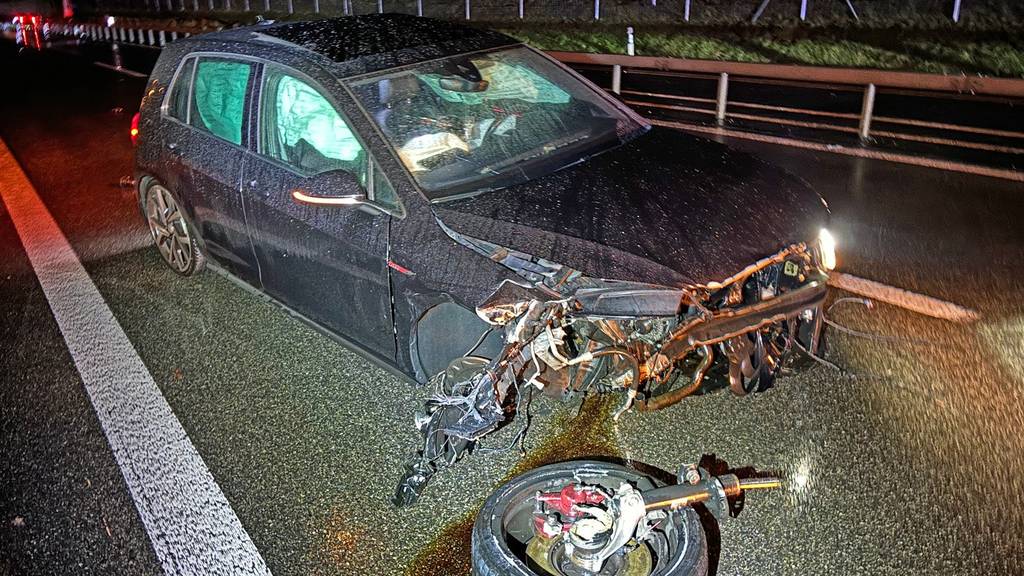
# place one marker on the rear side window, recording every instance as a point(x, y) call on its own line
point(177, 101)
point(218, 97)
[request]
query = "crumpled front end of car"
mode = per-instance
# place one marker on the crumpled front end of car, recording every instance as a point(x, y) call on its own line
point(567, 334)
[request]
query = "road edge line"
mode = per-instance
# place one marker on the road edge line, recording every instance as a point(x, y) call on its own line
point(936, 164)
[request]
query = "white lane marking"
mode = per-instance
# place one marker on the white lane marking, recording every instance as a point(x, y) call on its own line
point(912, 301)
point(126, 71)
point(190, 523)
point(948, 165)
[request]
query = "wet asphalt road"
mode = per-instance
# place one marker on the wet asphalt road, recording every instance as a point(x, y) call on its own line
point(914, 465)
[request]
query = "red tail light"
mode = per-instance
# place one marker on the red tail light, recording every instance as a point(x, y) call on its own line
point(134, 133)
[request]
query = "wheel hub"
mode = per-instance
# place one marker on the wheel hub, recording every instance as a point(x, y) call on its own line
point(550, 555)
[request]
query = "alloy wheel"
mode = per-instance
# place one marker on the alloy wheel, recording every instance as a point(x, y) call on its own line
point(169, 229)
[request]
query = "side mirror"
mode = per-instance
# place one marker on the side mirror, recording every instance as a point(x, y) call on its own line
point(334, 188)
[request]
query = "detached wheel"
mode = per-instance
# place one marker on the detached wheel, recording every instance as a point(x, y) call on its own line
point(504, 541)
point(172, 232)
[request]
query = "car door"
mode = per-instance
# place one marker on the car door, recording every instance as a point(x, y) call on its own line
point(328, 263)
point(221, 95)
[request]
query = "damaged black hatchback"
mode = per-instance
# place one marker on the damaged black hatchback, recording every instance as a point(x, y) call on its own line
point(466, 211)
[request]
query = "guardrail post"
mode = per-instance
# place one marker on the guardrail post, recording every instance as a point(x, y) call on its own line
point(616, 78)
point(163, 38)
point(467, 9)
point(246, 6)
point(722, 100)
point(866, 112)
point(131, 35)
point(380, 6)
point(195, 5)
point(174, 35)
point(227, 5)
point(956, 11)
point(630, 45)
point(521, 9)
point(291, 6)
point(803, 10)
point(419, 7)
point(316, 6)
point(597, 9)
point(686, 11)
point(266, 5)
point(150, 36)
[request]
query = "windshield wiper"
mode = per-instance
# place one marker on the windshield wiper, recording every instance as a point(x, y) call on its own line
point(544, 150)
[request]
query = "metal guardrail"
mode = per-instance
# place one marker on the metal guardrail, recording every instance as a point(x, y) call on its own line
point(137, 36)
point(890, 79)
point(868, 81)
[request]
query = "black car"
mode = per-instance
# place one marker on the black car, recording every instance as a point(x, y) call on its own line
point(462, 208)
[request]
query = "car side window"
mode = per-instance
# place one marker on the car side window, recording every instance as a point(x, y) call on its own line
point(301, 128)
point(177, 100)
point(218, 97)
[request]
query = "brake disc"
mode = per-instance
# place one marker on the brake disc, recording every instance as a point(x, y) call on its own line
point(549, 558)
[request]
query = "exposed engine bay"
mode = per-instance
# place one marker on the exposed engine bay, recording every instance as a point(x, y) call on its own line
point(567, 335)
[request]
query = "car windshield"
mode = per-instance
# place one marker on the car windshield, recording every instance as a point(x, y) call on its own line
point(477, 122)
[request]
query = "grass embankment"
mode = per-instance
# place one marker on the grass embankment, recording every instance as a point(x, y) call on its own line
point(935, 51)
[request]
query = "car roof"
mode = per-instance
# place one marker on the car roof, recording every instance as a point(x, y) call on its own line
point(372, 42)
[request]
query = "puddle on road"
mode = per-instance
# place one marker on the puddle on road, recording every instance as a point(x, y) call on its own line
point(590, 434)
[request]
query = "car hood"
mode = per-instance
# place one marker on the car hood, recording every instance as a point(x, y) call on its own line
point(666, 208)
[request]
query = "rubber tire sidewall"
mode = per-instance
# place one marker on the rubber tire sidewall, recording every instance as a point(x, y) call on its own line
point(491, 556)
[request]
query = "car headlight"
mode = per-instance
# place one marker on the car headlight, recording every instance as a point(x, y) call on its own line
point(827, 246)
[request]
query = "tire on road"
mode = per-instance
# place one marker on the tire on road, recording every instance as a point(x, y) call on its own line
point(191, 259)
point(496, 526)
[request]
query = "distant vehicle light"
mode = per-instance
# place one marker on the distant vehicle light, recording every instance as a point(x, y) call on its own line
point(134, 132)
point(110, 21)
point(827, 244)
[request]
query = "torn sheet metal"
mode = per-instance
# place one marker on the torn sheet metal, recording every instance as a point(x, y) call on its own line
point(568, 334)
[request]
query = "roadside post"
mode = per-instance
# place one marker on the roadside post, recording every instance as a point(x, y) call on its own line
point(617, 68)
point(866, 112)
point(722, 99)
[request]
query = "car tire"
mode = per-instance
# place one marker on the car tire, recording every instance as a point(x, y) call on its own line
point(172, 231)
point(493, 536)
